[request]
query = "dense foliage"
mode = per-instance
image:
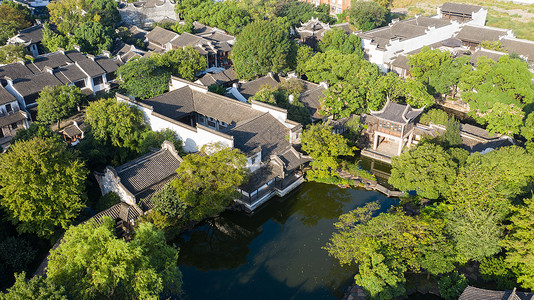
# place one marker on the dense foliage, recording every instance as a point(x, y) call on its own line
point(13, 53)
point(14, 18)
point(325, 148)
point(263, 47)
point(207, 184)
point(286, 95)
point(149, 76)
point(53, 180)
point(367, 15)
point(91, 263)
point(56, 103)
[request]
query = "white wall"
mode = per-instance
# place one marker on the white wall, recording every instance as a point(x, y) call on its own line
point(274, 111)
point(254, 162)
point(111, 183)
point(193, 138)
point(396, 46)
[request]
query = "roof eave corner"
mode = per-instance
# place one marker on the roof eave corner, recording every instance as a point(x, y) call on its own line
point(372, 112)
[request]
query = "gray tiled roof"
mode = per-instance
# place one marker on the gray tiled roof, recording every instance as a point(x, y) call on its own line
point(90, 67)
point(402, 30)
point(148, 170)
point(12, 118)
point(249, 89)
point(34, 84)
point(72, 130)
point(14, 71)
point(261, 177)
point(473, 293)
point(264, 131)
point(75, 55)
point(186, 39)
point(33, 34)
point(217, 36)
point(521, 47)
point(489, 54)
point(161, 36)
point(201, 28)
point(5, 96)
point(396, 112)
point(107, 64)
point(174, 104)
point(311, 100)
point(459, 8)
point(292, 159)
point(178, 103)
point(121, 211)
point(223, 108)
point(52, 60)
point(478, 34)
point(222, 77)
point(72, 72)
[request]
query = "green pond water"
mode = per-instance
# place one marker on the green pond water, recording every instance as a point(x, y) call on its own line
point(275, 253)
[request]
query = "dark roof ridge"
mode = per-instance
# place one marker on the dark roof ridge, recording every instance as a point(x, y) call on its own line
point(267, 105)
point(249, 120)
point(139, 160)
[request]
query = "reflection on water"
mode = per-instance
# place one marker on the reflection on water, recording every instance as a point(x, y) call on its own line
point(275, 253)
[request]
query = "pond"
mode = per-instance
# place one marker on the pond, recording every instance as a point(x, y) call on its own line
point(274, 253)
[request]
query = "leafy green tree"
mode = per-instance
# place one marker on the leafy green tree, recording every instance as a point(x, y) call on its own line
point(93, 37)
point(14, 18)
point(105, 12)
point(436, 69)
point(37, 288)
point(217, 89)
point(476, 233)
point(384, 3)
point(337, 39)
point(68, 14)
point(504, 118)
point(229, 16)
point(304, 53)
point(52, 41)
point(56, 103)
point(12, 53)
point(153, 139)
point(185, 63)
point(519, 243)
point(436, 116)
point(492, 45)
point(527, 130)
point(325, 148)
point(207, 184)
point(53, 178)
point(262, 47)
point(166, 201)
point(427, 169)
point(452, 285)
point(116, 123)
point(91, 263)
point(107, 201)
point(507, 82)
point(496, 269)
point(296, 12)
point(143, 78)
point(384, 247)
point(36, 129)
point(342, 100)
point(452, 134)
point(367, 15)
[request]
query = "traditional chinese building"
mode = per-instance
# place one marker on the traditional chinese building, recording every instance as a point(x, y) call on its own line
point(395, 123)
